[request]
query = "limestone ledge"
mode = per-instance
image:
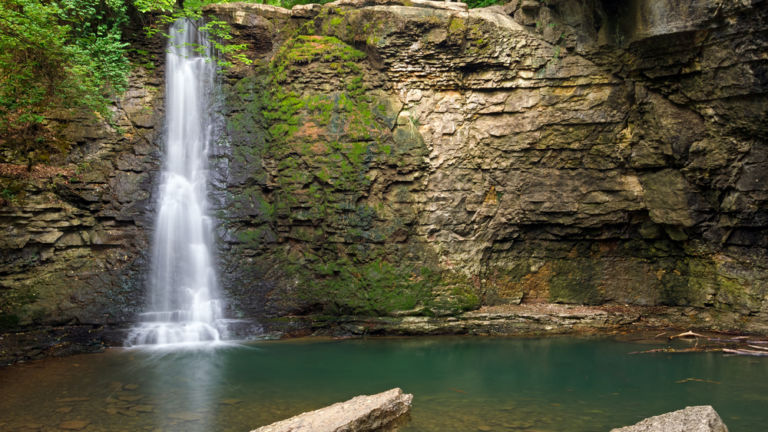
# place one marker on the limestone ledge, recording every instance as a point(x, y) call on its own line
point(528, 320)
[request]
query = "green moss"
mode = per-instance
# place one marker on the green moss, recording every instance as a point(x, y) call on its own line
point(378, 288)
point(457, 25)
point(328, 241)
point(15, 303)
point(12, 192)
point(575, 281)
point(304, 49)
point(251, 237)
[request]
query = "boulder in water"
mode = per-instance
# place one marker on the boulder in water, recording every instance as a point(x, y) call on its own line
point(359, 414)
point(702, 418)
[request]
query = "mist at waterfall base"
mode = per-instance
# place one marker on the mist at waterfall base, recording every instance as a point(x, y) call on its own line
point(184, 309)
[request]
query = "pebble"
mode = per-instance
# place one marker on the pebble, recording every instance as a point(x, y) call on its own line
point(186, 416)
point(72, 399)
point(130, 387)
point(127, 412)
point(74, 425)
point(130, 398)
point(143, 408)
point(64, 410)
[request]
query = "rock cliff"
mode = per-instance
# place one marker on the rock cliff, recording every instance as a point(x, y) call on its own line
point(74, 239)
point(409, 157)
point(383, 156)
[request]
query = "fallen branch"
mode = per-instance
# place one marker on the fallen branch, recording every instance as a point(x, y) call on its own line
point(746, 352)
point(688, 334)
point(677, 350)
point(687, 380)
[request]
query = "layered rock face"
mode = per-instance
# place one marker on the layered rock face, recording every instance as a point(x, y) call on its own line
point(390, 158)
point(381, 156)
point(74, 244)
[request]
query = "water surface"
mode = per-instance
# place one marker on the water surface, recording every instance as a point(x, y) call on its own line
point(459, 384)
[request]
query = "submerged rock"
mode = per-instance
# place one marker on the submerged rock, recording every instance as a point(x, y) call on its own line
point(74, 424)
point(359, 414)
point(702, 418)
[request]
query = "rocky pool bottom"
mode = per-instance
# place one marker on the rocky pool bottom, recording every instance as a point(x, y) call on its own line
point(459, 384)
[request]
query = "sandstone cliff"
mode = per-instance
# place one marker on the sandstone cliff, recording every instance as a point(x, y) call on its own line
point(75, 236)
point(388, 155)
point(408, 157)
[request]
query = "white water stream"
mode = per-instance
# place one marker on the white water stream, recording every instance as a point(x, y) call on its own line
point(184, 306)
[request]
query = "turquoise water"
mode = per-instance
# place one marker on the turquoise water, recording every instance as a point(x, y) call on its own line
point(459, 384)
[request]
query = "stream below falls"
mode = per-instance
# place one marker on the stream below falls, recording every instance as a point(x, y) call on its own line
point(459, 384)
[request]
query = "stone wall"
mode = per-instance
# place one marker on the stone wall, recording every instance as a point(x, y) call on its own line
point(74, 241)
point(386, 155)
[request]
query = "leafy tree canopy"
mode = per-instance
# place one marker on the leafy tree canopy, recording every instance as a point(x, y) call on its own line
point(57, 54)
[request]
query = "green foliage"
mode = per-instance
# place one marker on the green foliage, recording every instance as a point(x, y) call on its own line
point(69, 54)
point(53, 55)
point(472, 4)
point(165, 12)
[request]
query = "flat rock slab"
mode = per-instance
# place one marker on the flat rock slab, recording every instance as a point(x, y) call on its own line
point(702, 418)
point(359, 414)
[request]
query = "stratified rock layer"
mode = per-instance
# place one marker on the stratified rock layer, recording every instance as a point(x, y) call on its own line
point(386, 156)
point(359, 414)
point(415, 159)
point(75, 230)
point(702, 418)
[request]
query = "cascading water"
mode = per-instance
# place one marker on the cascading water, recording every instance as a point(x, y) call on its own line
point(183, 303)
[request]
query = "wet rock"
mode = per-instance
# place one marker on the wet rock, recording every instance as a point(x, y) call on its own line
point(691, 419)
point(72, 399)
point(143, 408)
point(359, 414)
point(130, 397)
point(187, 416)
point(74, 424)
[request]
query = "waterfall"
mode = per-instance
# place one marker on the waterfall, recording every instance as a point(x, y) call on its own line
point(183, 304)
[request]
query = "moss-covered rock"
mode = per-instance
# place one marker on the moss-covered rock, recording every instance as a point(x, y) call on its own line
point(502, 151)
